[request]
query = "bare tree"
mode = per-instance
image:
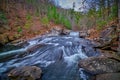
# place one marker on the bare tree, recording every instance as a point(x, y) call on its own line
point(119, 12)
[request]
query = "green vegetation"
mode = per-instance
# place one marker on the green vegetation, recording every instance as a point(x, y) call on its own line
point(67, 23)
point(17, 35)
point(101, 24)
point(45, 21)
point(3, 17)
point(58, 17)
point(19, 29)
point(28, 17)
point(28, 24)
point(48, 12)
point(98, 15)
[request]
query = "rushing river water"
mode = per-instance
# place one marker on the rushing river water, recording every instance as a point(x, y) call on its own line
point(58, 56)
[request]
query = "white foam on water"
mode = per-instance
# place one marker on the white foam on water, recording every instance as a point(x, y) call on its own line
point(46, 40)
point(55, 44)
point(75, 34)
point(70, 60)
point(82, 75)
point(44, 63)
point(64, 53)
point(33, 42)
point(69, 43)
point(13, 52)
point(68, 37)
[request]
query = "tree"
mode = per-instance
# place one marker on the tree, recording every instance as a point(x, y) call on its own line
point(119, 12)
point(116, 3)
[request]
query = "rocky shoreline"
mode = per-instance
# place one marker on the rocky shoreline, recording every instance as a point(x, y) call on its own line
point(107, 65)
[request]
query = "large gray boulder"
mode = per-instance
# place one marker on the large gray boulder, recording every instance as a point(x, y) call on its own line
point(25, 73)
point(99, 65)
point(108, 76)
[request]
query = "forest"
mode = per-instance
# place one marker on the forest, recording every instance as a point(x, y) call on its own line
point(59, 39)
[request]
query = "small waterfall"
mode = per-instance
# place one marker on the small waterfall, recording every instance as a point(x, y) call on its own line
point(58, 56)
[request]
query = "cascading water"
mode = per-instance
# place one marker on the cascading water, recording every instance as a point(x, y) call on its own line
point(58, 56)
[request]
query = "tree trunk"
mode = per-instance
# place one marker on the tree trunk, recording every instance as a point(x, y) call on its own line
point(119, 12)
point(102, 7)
point(117, 7)
point(108, 7)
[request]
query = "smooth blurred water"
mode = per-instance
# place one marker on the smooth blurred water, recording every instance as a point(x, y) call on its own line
point(58, 56)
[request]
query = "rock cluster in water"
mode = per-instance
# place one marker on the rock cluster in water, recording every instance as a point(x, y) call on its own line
point(25, 73)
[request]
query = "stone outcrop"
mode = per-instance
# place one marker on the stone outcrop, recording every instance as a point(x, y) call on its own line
point(109, 39)
point(110, 54)
point(108, 76)
point(107, 65)
point(25, 73)
point(100, 65)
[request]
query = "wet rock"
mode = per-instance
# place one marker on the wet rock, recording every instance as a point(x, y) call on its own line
point(83, 34)
point(108, 32)
point(25, 73)
point(109, 39)
point(98, 65)
point(34, 47)
point(112, 44)
point(110, 54)
point(20, 42)
point(55, 31)
point(108, 76)
point(65, 32)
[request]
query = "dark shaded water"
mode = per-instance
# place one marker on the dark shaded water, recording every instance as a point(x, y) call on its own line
point(58, 56)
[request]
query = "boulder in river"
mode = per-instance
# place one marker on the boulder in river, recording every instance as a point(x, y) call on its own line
point(99, 65)
point(108, 76)
point(83, 34)
point(25, 73)
point(65, 32)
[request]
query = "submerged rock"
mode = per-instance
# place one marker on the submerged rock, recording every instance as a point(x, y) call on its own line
point(108, 76)
point(99, 65)
point(25, 73)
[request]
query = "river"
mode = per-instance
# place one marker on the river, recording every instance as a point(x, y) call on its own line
point(58, 56)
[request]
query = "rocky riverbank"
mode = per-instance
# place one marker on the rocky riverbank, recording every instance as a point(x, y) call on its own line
point(107, 65)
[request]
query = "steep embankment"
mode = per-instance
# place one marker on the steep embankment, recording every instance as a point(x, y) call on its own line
point(18, 21)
